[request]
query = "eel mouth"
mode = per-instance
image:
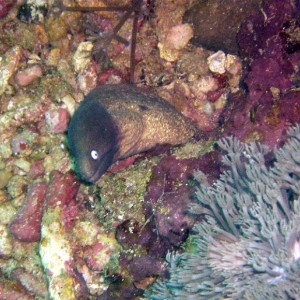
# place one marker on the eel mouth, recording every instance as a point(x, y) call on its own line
point(86, 176)
point(93, 174)
point(95, 177)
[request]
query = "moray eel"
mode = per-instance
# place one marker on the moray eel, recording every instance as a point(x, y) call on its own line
point(116, 121)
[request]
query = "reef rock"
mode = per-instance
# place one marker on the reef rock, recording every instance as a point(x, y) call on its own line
point(216, 22)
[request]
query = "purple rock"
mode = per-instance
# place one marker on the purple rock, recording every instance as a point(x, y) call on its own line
point(270, 102)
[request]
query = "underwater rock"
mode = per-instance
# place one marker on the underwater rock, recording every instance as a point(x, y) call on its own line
point(55, 245)
point(29, 75)
point(5, 176)
point(178, 36)
point(142, 266)
point(169, 184)
point(82, 56)
point(270, 33)
point(22, 164)
point(16, 186)
point(6, 246)
point(98, 255)
point(87, 79)
point(57, 28)
point(57, 120)
point(176, 39)
point(272, 99)
point(202, 92)
point(216, 62)
point(32, 282)
point(216, 22)
point(25, 35)
point(37, 169)
point(21, 143)
point(166, 224)
point(27, 112)
point(13, 290)
point(27, 225)
point(5, 6)
point(172, 34)
point(110, 76)
point(75, 249)
point(8, 65)
point(7, 213)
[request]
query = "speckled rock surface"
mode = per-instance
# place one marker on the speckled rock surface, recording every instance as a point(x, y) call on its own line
point(216, 22)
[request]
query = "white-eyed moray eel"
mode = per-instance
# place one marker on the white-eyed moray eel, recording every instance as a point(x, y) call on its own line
point(117, 121)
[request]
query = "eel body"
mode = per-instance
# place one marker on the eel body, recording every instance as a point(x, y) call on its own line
point(116, 121)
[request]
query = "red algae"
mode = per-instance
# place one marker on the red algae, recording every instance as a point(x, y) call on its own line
point(5, 6)
point(28, 76)
point(58, 265)
point(13, 290)
point(61, 192)
point(57, 120)
point(37, 169)
point(27, 225)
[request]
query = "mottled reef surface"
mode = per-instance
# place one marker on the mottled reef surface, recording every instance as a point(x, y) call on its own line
point(61, 238)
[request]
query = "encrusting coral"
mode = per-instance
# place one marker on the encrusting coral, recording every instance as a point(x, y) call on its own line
point(248, 247)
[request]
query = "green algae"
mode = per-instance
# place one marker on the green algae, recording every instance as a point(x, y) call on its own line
point(122, 194)
point(21, 34)
point(53, 85)
point(193, 150)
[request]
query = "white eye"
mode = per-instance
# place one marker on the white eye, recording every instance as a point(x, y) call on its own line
point(94, 154)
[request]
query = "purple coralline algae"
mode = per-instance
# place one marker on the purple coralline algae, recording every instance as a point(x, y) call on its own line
point(169, 193)
point(166, 225)
point(269, 44)
point(5, 6)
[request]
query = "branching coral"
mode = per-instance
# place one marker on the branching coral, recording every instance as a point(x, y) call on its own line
point(249, 245)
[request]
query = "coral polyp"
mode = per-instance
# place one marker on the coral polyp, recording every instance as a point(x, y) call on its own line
point(248, 245)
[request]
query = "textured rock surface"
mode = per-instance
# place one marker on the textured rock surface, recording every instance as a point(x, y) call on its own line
point(216, 22)
point(27, 224)
point(271, 102)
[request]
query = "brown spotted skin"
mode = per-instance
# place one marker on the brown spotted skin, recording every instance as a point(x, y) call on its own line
point(118, 121)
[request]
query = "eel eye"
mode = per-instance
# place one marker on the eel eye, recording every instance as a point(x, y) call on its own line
point(94, 154)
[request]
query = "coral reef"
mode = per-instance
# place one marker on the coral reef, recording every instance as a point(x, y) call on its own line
point(73, 260)
point(47, 64)
point(216, 22)
point(115, 234)
point(248, 245)
point(156, 226)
